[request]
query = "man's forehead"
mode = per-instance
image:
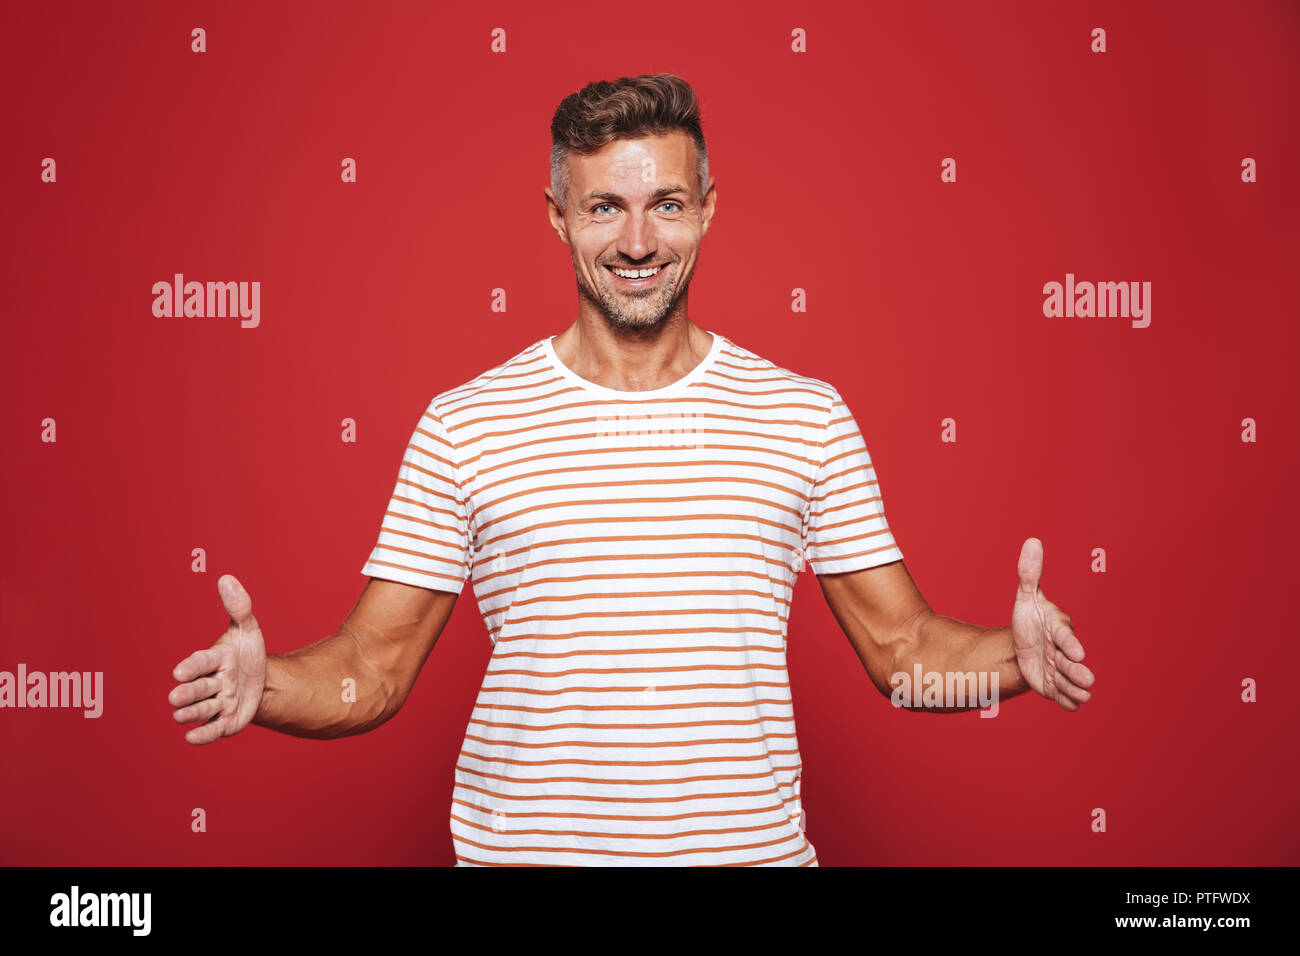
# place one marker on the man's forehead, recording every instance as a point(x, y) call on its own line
point(666, 156)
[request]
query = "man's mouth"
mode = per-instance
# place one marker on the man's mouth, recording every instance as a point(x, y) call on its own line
point(637, 275)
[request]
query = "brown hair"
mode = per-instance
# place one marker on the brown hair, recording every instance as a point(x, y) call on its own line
point(633, 106)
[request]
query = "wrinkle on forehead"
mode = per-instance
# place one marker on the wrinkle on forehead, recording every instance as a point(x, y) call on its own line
point(669, 158)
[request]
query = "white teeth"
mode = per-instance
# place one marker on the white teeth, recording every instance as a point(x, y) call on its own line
point(636, 273)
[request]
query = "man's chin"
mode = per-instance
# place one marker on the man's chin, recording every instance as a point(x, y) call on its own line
point(613, 303)
point(623, 318)
point(633, 322)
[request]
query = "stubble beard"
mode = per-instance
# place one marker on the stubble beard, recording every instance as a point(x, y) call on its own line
point(634, 311)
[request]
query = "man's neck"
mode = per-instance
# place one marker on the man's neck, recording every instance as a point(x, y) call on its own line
point(632, 360)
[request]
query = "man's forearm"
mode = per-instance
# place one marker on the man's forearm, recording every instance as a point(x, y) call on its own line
point(947, 646)
point(306, 694)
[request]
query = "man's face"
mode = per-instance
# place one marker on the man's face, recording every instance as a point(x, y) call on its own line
point(635, 206)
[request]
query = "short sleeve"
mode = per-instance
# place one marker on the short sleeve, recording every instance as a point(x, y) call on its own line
point(845, 527)
point(424, 538)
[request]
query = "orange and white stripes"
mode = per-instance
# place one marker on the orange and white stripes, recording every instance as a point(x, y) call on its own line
point(633, 555)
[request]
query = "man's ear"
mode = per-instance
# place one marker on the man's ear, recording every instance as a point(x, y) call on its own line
point(709, 204)
point(557, 217)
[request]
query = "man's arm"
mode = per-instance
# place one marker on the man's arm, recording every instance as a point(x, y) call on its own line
point(892, 628)
point(382, 645)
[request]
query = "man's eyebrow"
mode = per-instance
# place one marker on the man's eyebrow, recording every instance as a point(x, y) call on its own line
point(615, 197)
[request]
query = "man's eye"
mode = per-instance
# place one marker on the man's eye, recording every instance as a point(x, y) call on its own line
point(670, 203)
point(603, 205)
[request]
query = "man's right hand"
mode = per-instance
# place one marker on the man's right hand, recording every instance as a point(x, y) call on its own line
point(222, 685)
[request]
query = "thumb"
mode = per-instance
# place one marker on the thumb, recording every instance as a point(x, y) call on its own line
point(1030, 566)
point(236, 601)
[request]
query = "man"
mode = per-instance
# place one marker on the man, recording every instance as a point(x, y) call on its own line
point(634, 499)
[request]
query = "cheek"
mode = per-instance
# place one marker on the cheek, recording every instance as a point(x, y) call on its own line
point(684, 242)
point(590, 248)
point(587, 256)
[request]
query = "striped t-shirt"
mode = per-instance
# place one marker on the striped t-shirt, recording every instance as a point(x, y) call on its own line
point(633, 555)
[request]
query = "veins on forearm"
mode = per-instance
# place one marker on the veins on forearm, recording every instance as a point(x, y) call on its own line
point(946, 645)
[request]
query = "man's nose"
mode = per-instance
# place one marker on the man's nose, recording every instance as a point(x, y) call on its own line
point(638, 237)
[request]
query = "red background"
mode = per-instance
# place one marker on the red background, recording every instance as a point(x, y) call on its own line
point(925, 302)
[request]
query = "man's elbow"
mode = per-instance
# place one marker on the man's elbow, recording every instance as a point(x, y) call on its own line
point(375, 694)
point(899, 658)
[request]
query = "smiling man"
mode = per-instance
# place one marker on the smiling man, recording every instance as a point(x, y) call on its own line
point(633, 499)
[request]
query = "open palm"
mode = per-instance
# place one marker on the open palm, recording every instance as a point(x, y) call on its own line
point(223, 684)
point(1047, 650)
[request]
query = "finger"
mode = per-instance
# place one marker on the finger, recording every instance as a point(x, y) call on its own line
point(1072, 691)
point(1030, 566)
point(203, 710)
point(197, 664)
point(1053, 609)
point(194, 690)
point(1076, 674)
point(206, 733)
point(1066, 703)
point(1063, 687)
point(1079, 675)
point(1065, 638)
point(236, 601)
